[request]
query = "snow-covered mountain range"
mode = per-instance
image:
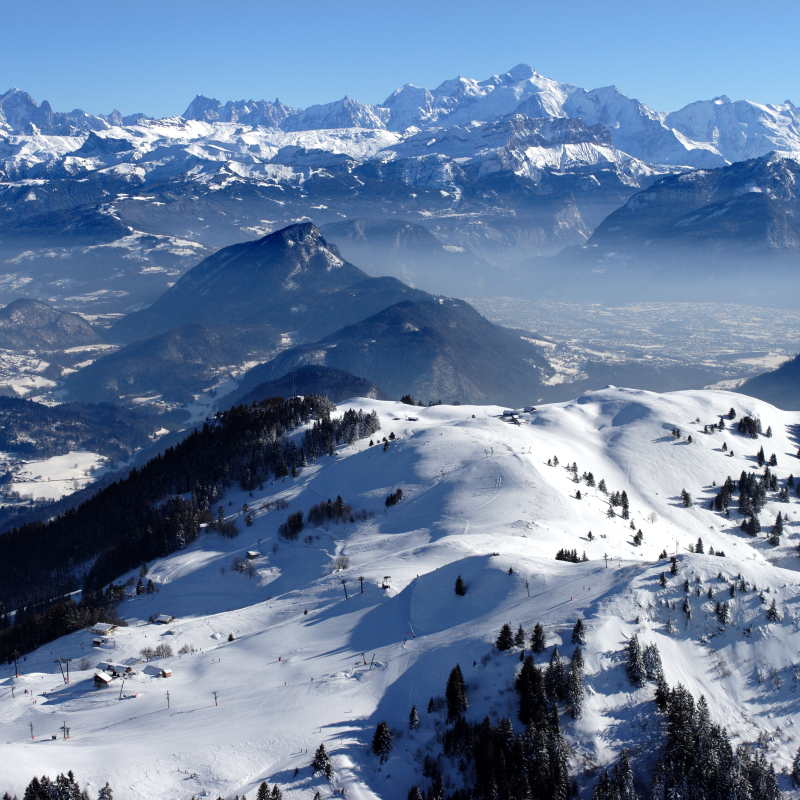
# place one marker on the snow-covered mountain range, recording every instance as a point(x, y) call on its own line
point(512, 167)
point(704, 133)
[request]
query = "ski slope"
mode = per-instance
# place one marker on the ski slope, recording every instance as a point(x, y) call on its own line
point(307, 665)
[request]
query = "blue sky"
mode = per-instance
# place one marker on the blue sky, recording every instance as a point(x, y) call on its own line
point(155, 56)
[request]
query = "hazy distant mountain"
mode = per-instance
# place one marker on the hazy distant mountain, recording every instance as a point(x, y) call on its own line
point(728, 234)
point(291, 280)
point(29, 325)
point(335, 384)
point(514, 167)
point(410, 253)
point(174, 365)
point(433, 350)
point(781, 386)
point(344, 113)
point(245, 112)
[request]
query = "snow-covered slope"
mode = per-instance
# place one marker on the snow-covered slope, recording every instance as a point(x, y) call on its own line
point(306, 665)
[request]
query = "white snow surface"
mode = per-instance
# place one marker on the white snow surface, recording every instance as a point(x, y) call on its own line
point(479, 500)
point(705, 134)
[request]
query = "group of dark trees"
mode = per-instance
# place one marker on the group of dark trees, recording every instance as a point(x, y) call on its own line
point(144, 517)
point(394, 498)
point(570, 555)
point(34, 429)
point(749, 426)
point(695, 756)
point(754, 492)
point(64, 787)
point(37, 624)
point(320, 514)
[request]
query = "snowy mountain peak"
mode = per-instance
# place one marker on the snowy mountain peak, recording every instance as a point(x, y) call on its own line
point(344, 113)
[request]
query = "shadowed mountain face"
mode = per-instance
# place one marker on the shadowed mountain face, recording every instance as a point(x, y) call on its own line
point(292, 280)
point(175, 365)
point(31, 325)
point(411, 253)
point(781, 386)
point(730, 234)
point(335, 384)
point(432, 350)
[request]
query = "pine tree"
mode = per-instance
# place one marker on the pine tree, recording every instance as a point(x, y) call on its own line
point(652, 662)
point(431, 706)
point(505, 641)
point(519, 637)
point(461, 589)
point(105, 793)
point(796, 769)
point(557, 747)
point(276, 793)
point(456, 695)
point(322, 762)
point(414, 793)
point(773, 614)
point(413, 719)
point(140, 588)
point(638, 538)
point(699, 547)
point(382, 741)
point(579, 632)
point(538, 642)
point(263, 791)
point(575, 684)
point(555, 677)
point(623, 777)
point(637, 673)
point(673, 567)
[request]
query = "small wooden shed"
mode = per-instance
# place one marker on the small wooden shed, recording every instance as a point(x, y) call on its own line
point(101, 680)
point(104, 628)
point(164, 619)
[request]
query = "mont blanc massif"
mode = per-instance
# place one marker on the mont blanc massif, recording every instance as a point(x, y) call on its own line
point(565, 326)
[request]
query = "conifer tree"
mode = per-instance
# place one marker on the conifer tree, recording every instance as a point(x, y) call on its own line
point(382, 741)
point(414, 793)
point(559, 773)
point(772, 613)
point(105, 793)
point(652, 662)
point(538, 642)
point(635, 667)
point(276, 793)
point(322, 762)
point(519, 637)
point(579, 632)
point(575, 684)
point(461, 589)
point(456, 695)
point(413, 719)
point(263, 791)
point(431, 706)
point(505, 641)
point(555, 677)
point(796, 769)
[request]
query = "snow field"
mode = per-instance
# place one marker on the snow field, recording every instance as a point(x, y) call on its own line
point(479, 499)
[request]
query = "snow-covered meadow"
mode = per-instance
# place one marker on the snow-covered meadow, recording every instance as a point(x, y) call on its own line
point(306, 665)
